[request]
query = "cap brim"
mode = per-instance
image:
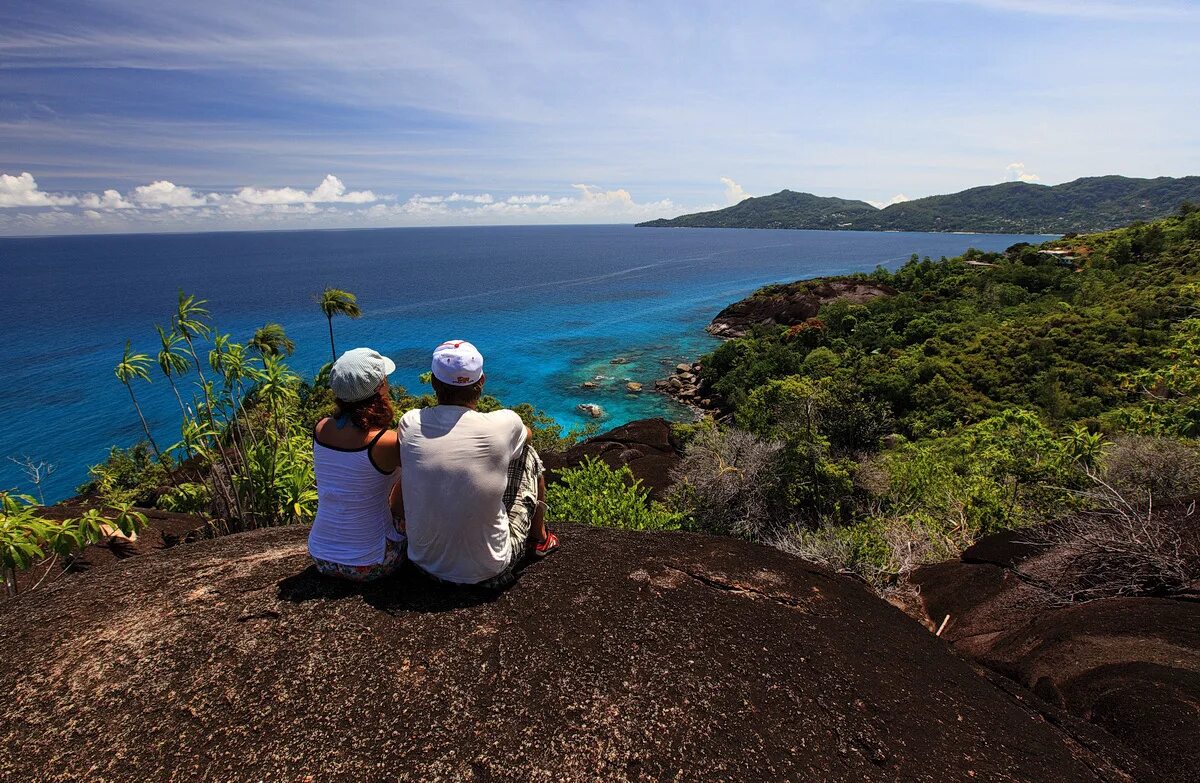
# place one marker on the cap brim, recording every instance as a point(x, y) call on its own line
point(389, 366)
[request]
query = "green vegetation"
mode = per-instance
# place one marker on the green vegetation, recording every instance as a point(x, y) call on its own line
point(1088, 204)
point(595, 494)
point(27, 539)
point(785, 209)
point(977, 397)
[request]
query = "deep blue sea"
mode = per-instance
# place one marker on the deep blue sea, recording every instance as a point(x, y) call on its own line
point(549, 307)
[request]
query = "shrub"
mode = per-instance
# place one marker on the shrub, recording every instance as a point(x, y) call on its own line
point(726, 480)
point(1121, 549)
point(595, 494)
point(129, 475)
point(1144, 467)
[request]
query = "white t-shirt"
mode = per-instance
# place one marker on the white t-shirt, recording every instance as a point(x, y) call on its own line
point(454, 469)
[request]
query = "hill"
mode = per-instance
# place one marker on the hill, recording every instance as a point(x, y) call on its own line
point(628, 656)
point(1088, 204)
point(785, 209)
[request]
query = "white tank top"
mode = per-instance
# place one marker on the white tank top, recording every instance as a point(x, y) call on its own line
point(354, 516)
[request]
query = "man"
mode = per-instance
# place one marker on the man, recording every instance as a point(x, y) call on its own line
point(472, 485)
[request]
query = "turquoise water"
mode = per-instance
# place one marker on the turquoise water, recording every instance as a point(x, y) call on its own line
point(549, 307)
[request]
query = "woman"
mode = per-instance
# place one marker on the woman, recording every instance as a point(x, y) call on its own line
point(358, 534)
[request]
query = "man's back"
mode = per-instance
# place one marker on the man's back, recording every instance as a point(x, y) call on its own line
point(454, 469)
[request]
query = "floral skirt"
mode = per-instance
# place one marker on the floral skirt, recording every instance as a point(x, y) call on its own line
point(393, 558)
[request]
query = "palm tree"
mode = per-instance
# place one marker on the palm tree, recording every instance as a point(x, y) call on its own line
point(334, 301)
point(190, 323)
point(172, 360)
point(135, 366)
point(271, 340)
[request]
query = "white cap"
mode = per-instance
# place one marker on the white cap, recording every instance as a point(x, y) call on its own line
point(457, 363)
point(357, 374)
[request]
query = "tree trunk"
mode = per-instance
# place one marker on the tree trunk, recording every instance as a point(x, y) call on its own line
point(145, 427)
point(178, 399)
point(332, 347)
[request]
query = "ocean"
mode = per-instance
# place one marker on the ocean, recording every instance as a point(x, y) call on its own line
point(548, 306)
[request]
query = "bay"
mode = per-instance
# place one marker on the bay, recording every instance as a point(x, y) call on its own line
point(549, 306)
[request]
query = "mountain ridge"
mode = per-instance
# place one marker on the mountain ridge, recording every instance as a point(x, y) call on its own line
point(1083, 205)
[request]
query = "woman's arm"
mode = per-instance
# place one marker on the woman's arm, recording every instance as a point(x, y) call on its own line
point(397, 502)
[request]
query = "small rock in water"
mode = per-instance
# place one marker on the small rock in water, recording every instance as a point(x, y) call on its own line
point(620, 360)
point(588, 385)
point(633, 386)
point(591, 409)
point(683, 367)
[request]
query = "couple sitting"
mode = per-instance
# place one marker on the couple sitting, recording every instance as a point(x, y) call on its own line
point(461, 490)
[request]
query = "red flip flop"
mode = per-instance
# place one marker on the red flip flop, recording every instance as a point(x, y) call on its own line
point(550, 544)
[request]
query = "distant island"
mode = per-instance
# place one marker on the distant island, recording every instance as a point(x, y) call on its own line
point(1084, 205)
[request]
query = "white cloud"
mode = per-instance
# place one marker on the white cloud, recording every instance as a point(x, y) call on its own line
point(530, 199)
point(899, 198)
point(484, 198)
point(733, 191)
point(331, 191)
point(1015, 172)
point(166, 194)
point(166, 206)
point(23, 191)
point(110, 199)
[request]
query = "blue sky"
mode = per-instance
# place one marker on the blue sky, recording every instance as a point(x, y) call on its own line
point(214, 115)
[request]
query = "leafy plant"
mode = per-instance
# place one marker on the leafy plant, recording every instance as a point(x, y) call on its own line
point(595, 494)
point(28, 540)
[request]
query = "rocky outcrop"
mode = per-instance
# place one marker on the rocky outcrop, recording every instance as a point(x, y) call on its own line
point(791, 304)
point(687, 387)
point(1130, 665)
point(646, 446)
point(625, 656)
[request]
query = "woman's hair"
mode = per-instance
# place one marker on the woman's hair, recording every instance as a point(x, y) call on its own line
point(449, 394)
point(373, 413)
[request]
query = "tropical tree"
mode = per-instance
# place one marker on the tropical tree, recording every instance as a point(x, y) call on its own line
point(134, 366)
point(334, 301)
point(191, 322)
point(172, 360)
point(271, 340)
point(190, 315)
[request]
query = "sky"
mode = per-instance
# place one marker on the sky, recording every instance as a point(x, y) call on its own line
point(137, 115)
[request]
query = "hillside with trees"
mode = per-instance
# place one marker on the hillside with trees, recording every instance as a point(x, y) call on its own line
point(1084, 205)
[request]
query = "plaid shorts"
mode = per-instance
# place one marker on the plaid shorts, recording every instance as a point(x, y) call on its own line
point(520, 498)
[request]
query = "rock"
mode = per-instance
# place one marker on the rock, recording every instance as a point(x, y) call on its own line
point(620, 360)
point(682, 367)
point(687, 377)
point(588, 385)
point(591, 409)
point(647, 446)
point(660, 384)
point(791, 304)
point(633, 386)
point(1128, 665)
point(674, 383)
point(626, 656)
